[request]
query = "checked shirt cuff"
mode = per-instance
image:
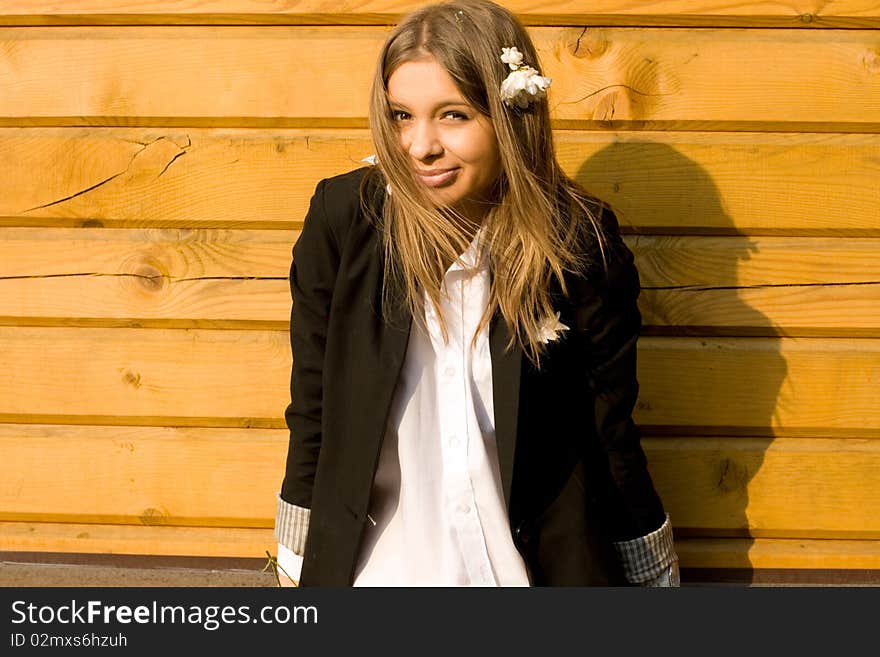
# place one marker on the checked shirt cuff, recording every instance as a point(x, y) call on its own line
point(292, 526)
point(651, 558)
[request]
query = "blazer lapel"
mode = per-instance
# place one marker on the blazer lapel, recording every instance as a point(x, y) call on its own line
point(506, 369)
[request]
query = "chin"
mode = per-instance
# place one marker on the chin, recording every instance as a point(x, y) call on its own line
point(444, 201)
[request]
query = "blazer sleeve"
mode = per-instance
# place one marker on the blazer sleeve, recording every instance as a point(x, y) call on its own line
point(313, 272)
point(609, 316)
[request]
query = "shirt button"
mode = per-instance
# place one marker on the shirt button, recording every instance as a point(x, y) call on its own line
point(449, 371)
point(453, 441)
point(464, 508)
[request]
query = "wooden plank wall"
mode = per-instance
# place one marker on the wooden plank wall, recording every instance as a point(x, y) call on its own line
point(157, 158)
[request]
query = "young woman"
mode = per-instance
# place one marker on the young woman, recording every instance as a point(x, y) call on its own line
point(464, 332)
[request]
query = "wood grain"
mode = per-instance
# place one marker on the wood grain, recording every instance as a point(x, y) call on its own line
point(174, 278)
point(603, 77)
point(202, 377)
point(141, 475)
point(784, 286)
point(777, 553)
point(151, 476)
point(133, 539)
point(217, 278)
point(235, 378)
point(658, 182)
point(754, 13)
point(759, 386)
point(771, 488)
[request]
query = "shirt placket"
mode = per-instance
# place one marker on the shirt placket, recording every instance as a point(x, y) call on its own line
point(454, 400)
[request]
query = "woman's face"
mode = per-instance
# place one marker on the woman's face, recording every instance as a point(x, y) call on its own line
point(451, 146)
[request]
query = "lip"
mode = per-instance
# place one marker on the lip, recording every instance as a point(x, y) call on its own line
point(437, 177)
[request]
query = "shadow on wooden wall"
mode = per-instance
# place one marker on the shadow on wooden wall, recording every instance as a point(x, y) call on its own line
point(705, 446)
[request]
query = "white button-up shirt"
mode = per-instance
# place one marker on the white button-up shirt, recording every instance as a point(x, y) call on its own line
point(437, 501)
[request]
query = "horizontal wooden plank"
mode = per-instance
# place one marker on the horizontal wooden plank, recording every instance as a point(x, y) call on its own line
point(807, 286)
point(190, 178)
point(711, 486)
point(777, 553)
point(209, 278)
point(132, 539)
point(766, 487)
point(40, 569)
point(753, 183)
point(176, 254)
point(728, 183)
point(254, 543)
point(802, 13)
point(238, 279)
point(192, 377)
point(603, 77)
point(759, 386)
point(791, 311)
point(705, 261)
point(202, 377)
point(141, 475)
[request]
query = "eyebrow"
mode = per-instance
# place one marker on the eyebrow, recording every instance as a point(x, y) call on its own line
point(443, 103)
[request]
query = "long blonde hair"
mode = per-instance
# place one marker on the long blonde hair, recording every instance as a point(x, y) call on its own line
point(535, 227)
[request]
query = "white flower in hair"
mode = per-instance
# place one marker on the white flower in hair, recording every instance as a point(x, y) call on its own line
point(523, 84)
point(512, 57)
point(551, 329)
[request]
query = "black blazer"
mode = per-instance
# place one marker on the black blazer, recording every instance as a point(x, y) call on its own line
point(572, 468)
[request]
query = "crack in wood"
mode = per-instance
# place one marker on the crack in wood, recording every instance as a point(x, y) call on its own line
point(170, 279)
point(577, 45)
point(183, 151)
point(91, 188)
point(606, 88)
point(712, 288)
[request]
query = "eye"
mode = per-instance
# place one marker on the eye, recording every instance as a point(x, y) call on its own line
point(399, 115)
point(456, 115)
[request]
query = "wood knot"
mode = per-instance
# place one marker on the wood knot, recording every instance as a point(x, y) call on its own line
point(614, 104)
point(152, 516)
point(871, 61)
point(587, 43)
point(731, 476)
point(150, 277)
point(132, 378)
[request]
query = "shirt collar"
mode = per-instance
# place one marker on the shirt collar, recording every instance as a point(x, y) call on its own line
point(469, 259)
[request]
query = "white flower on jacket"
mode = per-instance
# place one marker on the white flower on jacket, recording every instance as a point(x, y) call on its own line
point(551, 329)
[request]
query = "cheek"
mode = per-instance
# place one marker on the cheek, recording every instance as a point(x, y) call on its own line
point(403, 139)
point(482, 151)
point(490, 163)
point(491, 158)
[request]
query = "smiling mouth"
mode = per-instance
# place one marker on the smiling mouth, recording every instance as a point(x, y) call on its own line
point(437, 178)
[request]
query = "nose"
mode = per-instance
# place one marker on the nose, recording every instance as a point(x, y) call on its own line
point(424, 141)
